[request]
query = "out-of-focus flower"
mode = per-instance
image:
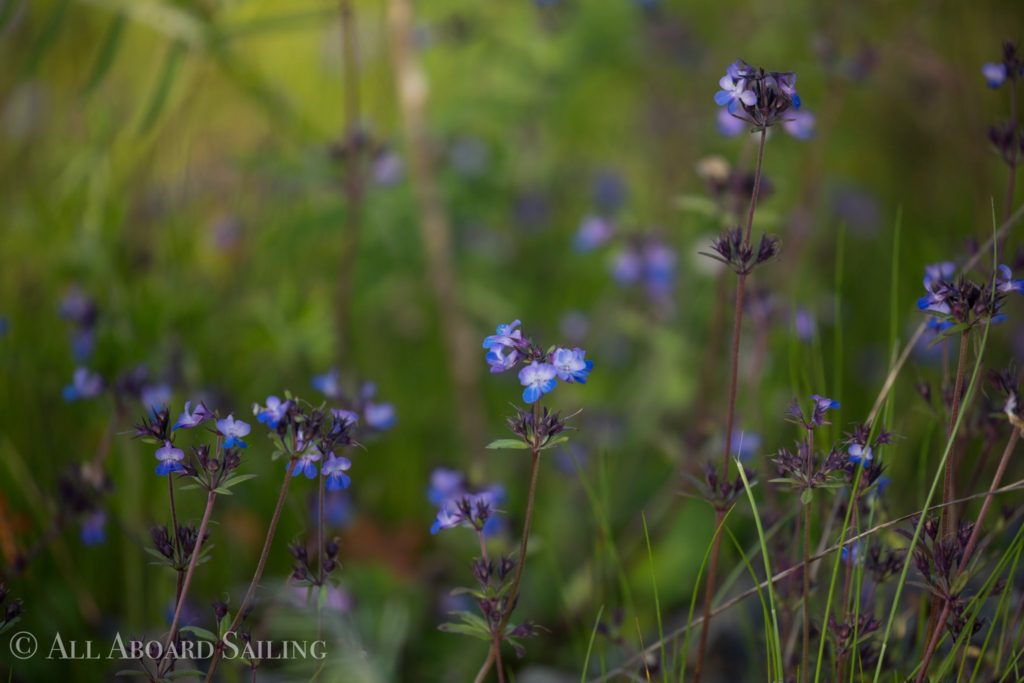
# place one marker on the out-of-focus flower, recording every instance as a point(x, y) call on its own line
point(745, 445)
point(804, 324)
point(445, 484)
point(155, 396)
point(192, 418)
point(994, 73)
point(93, 528)
point(1005, 282)
point(859, 453)
point(388, 168)
point(84, 384)
point(799, 124)
point(594, 232)
point(233, 431)
point(328, 384)
point(761, 98)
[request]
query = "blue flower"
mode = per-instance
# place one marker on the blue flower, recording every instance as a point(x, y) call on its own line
point(734, 92)
point(379, 416)
point(994, 73)
point(170, 459)
point(1005, 282)
point(823, 403)
point(445, 484)
point(502, 358)
point(851, 553)
point(628, 266)
point(745, 445)
point(328, 384)
point(192, 418)
point(84, 384)
point(155, 396)
point(344, 419)
point(468, 509)
point(804, 324)
point(306, 463)
point(787, 84)
point(799, 124)
point(729, 125)
point(594, 231)
point(659, 268)
point(233, 430)
point(334, 470)
point(93, 528)
point(274, 411)
point(938, 272)
point(570, 365)
point(859, 453)
point(539, 379)
point(4, 326)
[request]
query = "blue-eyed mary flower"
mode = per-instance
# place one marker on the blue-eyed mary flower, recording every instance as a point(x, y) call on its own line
point(859, 453)
point(571, 365)
point(93, 528)
point(233, 432)
point(734, 91)
point(334, 472)
point(273, 412)
point(170, 459)
point(799, 124)
point(994, 73)
point(84, 384)
point(306, 463)
point(594, 232)
point(538, 379)
point(444, 484)
point(328, 384)
point(192, 418)
point(1005, 282)
point(155, 396)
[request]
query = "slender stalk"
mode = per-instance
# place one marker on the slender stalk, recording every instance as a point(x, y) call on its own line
point(741, 283)
point(260, 566)
point(806, 626)
point(180, 582)
point(1011, 181)
point(972, 543)
point(949, 487)
point(320, 553)
point(355, 147)
point(211, 497)
point(513, 593)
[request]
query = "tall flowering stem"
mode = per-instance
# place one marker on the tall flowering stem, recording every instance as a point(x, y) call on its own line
point(949, 477)
point(211, 498)
point(741, 283)
point(260, 567)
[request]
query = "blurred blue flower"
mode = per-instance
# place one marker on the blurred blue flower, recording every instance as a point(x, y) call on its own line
point(155, 396)
point(823, 403)
point(538, 379)
point(745, 445)
point(93, 528)
point(799, 124)
point(84, 384)
point(328, 384)
point(851, 553)
point(334, 472)
point(4, 326)
point(273, 412)
point(609, 191)
point(444, 484)
point(804, 324)
point(344, 419)
point(570, 365)
point(505, 335)
point(594, 232)
point(860, 453)
point(994, 73)
point(192, 418)
point(938, 272)
point(729, 125)
point(233, 430)
point(170, 459)
point(1005, 282)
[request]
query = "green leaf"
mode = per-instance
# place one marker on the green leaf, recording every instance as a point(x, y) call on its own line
point(235, 481)
point(199, 632)
point(554, 442)
point(807, 496)
point(515, 444)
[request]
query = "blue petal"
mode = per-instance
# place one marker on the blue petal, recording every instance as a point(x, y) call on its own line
point(310, 470)
point(723, 98)
point(531, 393)
point(548, 386)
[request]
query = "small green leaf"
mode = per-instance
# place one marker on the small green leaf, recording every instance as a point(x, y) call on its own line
point(807, 496)
point(515, 444)
point(200, 633)
point(554, 442)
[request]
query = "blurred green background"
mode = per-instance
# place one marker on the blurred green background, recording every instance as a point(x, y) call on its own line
point(174, 161)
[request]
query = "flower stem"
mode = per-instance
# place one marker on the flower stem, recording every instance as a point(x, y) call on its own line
point(513, 594)
point(737, 329)
point(1011, 182)
point(260, 566)
point(972, 543)
point(949, 488)
point(173, 633)
point(320, 551)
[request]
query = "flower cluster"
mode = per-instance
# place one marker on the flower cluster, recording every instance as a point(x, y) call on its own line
point(458, 506)
point(848, 635)
point(719, 492)
point(817, 417)
point(962, 303)
point(376, 415)
point(734, 251)
point(176, 551)
point(541, 369)
point(1011, 67)
point(310, 436)
point(757, 97)
point(649, 261)
point(303, 572)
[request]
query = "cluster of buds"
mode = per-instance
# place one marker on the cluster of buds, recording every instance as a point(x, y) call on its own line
point(848, 636)
point(539, 431)
point(805, 469)
point(1007, 139)
point(303, 572)
point(883, 564)
point(817, 417)
point(720, 493)
point(176, 552)
point(939, 558)
point(737, 253)
point(862, 452)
